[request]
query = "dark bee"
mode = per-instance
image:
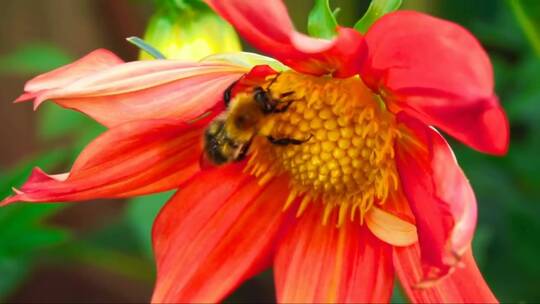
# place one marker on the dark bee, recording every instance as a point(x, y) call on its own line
point(228, 137)
point(220, 148)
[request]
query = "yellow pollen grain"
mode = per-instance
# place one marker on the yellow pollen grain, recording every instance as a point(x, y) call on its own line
point(333, 135)
point(330, 124)
point(345, 161)
point(316, 123)
point(344, 143)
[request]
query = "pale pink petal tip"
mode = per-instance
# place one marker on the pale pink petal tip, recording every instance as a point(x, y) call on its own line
point(8, 200)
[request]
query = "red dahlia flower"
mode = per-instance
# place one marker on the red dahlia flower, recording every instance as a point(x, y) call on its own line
point(346, 185)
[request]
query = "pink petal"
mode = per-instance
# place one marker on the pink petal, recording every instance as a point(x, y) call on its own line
point(436, 71)
point(141, 90)
point(216, 232)
point(325, 264)
point(95, 61)
point(132, 159)
point(464, 285)
point(267, 26)
point(439, 195)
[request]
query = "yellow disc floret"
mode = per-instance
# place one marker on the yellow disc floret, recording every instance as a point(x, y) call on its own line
point(346, 159)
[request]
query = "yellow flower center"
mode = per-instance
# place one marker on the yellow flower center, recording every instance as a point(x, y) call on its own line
point(346, 156)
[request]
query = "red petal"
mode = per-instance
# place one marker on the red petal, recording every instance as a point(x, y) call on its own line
point(439, 195)
point(464, 285)
point(255, 77)
point(215, 232)
point(268, 27)
point(140, 90)
point(438, 72)
point(316, 263)
point(132, 159)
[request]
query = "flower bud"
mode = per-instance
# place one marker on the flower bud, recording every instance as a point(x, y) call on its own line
point(188, 30)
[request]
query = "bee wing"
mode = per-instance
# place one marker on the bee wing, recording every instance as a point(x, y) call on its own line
point(242, 149)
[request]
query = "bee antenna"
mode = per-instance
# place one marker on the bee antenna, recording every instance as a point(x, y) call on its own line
point(272, 81)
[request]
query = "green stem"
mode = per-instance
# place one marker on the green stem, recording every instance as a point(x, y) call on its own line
point(143, 45)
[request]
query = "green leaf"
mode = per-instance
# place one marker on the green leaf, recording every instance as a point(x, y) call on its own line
point(152, 51)
point(322, 22)
point(527, 13)
point(33, 58)
point(376, 10)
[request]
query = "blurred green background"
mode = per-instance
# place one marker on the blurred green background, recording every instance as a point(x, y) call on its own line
point(100, 251)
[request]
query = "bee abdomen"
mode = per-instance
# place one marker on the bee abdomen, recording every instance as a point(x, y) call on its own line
point(213, 147)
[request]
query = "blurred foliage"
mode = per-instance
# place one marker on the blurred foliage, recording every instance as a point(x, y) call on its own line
point(25, 234)
point(505, 245)
point(528, 14)
point(33, 58)
point(140, 216)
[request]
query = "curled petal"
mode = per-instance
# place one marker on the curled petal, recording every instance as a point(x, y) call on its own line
point(268, 27)
point(246, 59)
point(439, 195)
point(132, 159)
point(390, 228)
point(255, 77)
point(139, 90)
point(318, 263)
point(215, 232)
point(438, 72)
point(464, 285)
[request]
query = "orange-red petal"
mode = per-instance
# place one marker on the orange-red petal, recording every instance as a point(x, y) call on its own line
point(135, 158)
point(325, 264)
point(438, 72)
point(215, 232)
point(464, 285)
point(267, 26)
point(123, 92)
point(439, 195)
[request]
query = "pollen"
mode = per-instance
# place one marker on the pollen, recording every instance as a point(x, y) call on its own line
point(343, 155)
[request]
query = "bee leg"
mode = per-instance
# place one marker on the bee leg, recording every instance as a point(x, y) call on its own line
point(286, 94)
point(285, 107)
point(287, 141)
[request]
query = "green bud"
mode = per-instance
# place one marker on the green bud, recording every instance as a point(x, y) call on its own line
point(189, 30)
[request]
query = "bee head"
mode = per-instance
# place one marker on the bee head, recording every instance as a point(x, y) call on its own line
point(254, 78)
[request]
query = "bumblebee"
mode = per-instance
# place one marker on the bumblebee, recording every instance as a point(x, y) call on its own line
point(229, 136)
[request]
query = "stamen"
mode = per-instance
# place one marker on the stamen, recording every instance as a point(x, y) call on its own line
point(290, 199)
point(347, 160)
point(303, 205)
